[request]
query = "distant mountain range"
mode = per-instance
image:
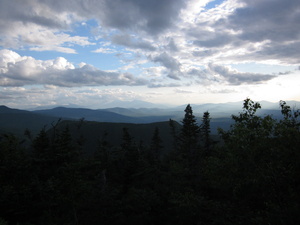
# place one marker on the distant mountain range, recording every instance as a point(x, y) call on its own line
point(16, 121)
point(104, 105)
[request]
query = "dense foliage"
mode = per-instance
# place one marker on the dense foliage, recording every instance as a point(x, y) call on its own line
point(251, 176)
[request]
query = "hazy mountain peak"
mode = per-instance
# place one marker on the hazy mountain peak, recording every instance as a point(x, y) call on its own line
point(136, 104)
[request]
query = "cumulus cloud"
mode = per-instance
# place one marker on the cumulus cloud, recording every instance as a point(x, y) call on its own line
point(162, 85)
point(170, 63)
point(152, 17)
point(127, 41)
point(31, 12)
point(277, 20)
point(36, 25)
point(217, 41)
point(235, 77)
point(19, 71)
point(177, 36)
point(244, 30)
point(40, 39)
point(229, 28)
point(52, 96)
point(284, 52)
point(45, 24)
point(105, 51)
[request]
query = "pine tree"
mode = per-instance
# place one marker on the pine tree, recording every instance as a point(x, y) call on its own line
point(131, 154)
point(41, 145)
point(205, 131)
point(156, 145)
point(174, 134)
point(189, 136)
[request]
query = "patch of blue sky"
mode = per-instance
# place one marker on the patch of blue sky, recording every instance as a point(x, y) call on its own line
point(101, 61)
point(84, 28)
point(213, 4)
point(40, 55)
point(150, 64)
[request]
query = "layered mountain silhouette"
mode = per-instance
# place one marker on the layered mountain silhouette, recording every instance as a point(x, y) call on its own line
point(16, 120)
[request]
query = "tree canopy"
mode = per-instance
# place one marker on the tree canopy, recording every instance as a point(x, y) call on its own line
point(248, 175)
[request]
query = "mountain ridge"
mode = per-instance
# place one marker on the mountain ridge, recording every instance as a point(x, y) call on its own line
point(17, 120)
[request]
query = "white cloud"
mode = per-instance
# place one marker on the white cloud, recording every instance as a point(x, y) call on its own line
point(169, 62)
point(35, 25)
point(178, 90)
point(19, 71)
point(41, 39)
point(105, 51)
point(235, 77)
point(91, 97)
point(132, 43)
point(154, 40)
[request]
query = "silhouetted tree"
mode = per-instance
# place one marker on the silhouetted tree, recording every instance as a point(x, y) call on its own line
point(189, 136)
point(205, 132)
point(156, 145)
point(131, 155)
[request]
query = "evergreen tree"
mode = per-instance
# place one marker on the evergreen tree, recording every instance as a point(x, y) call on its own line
point(261, 158)
point(15, 181)
point(131, 155)
point(174, 134)
point(102, 153)
point(41, 144)
point(205, 131)
point(189, 136)
point(156, 146)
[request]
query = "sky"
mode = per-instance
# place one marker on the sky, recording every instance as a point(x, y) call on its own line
point(94, 52)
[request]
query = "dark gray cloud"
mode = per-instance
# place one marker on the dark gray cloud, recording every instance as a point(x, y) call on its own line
point(172, 46)
point(197, 72)
point(285, 52)
point(45, 17)
point(258, 20)
point(203, 37)
point(285, 73)
point(85, 76)
point(275, 20)
point(204, 53)
point(167, 61)
point(129, 42)
point(5, 96)
point(272, 24)
point(152, 16)
point(237, 78)
point(90, 76)
point(161, 85)
point(260, 30)
point(170, 63)
point(29, 11)
point(212, 39)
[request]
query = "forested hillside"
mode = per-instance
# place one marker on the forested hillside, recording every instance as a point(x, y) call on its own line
point(250, 176)
point(16, 121)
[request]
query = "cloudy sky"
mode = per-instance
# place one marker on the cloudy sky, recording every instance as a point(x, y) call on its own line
point(91, 52)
